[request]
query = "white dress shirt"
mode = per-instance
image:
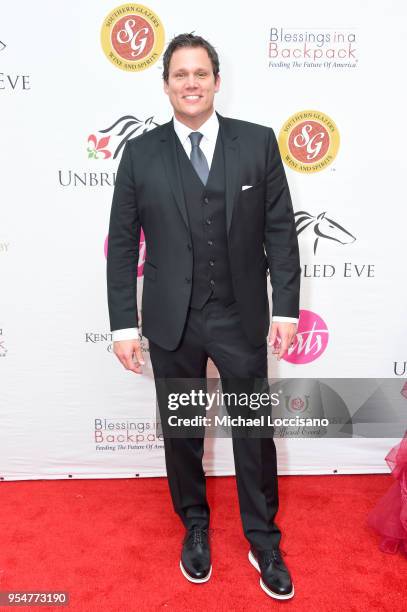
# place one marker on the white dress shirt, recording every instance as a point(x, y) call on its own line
point(209, 131)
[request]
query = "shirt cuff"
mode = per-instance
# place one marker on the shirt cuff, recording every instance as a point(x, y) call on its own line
point(284, 319)
point(130, 333)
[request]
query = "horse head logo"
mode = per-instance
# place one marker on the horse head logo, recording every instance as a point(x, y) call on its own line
point(323, 227)
point(123, 129)
point(129, 122)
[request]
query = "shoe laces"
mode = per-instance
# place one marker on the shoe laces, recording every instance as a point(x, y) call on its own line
point(197, 535)
point(273, 555)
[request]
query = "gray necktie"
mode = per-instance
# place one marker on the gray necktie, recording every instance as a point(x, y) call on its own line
point(198, 158)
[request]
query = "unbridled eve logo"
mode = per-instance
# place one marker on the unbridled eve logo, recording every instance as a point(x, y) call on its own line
point(322, 227)
point(309, 141)
point(311, 339)
point(132, 37)
point(110, 141)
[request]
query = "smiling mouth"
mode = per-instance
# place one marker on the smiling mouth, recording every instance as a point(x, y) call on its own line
point(192, 97)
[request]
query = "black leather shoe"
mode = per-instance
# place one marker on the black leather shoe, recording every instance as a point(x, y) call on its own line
point(195, 560)
point(275, 578)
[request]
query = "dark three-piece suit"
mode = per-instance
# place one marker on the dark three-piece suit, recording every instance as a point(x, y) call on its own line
point(209, 247)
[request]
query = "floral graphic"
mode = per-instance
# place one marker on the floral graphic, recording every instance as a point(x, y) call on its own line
point(96, 149)
point(297, 404)
point(118, 134)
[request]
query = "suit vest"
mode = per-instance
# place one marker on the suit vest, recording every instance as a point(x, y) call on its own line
point(206, 209)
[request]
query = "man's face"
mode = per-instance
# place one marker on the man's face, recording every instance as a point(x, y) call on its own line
point(191, 85)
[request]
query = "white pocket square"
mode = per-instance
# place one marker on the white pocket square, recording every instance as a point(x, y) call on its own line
point(244, 187)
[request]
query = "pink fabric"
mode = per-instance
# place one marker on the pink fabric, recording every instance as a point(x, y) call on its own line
point(389, 517)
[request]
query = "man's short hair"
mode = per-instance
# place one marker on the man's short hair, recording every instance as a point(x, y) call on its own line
point(189, 40)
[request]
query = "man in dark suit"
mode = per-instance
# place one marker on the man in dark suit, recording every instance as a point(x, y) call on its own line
point(212, 198)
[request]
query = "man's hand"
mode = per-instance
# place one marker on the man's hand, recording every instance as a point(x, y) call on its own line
point(281, 337)
point(125, 350)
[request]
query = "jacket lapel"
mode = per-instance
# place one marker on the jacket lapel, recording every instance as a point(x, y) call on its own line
point(170, 160)
point(232, 159)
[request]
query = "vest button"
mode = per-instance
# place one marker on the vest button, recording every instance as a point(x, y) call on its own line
point(211, 262)
point(210, 242)
point(208, 221)
point(206, 200)
point(212, 283)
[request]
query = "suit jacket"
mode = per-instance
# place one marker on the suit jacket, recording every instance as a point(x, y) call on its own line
point(260, 229)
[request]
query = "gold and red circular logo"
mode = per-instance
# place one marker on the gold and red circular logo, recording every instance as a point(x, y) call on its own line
point(132, 37)
point(308, 141)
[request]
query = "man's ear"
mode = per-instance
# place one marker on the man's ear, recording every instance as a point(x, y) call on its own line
point(217, 83)
point(165, 87)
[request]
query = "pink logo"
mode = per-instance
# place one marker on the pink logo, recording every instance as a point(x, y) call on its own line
point(308, 142)
point(132, 37)
point(142, 252)
point(297, 405)
point(97, 148)
point(311, 339)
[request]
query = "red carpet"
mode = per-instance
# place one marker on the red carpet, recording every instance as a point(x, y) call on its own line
point(114, 546)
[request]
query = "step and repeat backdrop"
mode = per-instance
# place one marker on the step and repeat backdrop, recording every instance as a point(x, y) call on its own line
point(77, 80)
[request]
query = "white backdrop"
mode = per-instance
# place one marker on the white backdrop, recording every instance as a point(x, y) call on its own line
point(58, 91)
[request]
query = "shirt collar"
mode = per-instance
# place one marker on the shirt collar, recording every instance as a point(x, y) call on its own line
point(209, 129)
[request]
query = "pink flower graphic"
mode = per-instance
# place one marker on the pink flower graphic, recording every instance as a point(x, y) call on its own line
point(96, 149)
point(297, 404)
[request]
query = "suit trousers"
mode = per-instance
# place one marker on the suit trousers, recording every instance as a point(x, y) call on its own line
point(215, 332)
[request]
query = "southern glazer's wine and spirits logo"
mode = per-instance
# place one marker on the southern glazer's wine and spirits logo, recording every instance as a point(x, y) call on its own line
point(103, 147)
point(106, 144)
point(309, 141)
point(312, 48)
point(132, 37)
point(311, 339)
point(322, 228)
